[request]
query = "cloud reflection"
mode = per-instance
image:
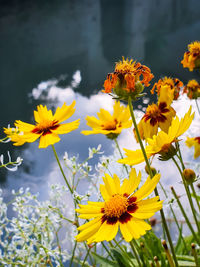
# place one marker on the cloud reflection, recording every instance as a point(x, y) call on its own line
point(40, 167)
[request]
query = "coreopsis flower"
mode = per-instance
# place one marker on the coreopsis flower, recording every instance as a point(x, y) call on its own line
point(194, 142)
point(191, 58)
point(173, 83)
point(128, 79)
point(157, 115)
point(47, 126)
point(192, 89)
point(108, 124)
point(123, 208)
point(162, 143)
point(15, 135)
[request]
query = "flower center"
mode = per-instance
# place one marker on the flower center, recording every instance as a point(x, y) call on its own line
point(153, 111)
point(116, 206)
point(45, 127)
point(197, 139)
point(109, 125)
point(125, 66)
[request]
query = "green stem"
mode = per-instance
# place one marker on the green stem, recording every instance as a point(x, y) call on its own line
point(175, 219)
point(195, 195)
point(188, 195)
point(151, 175)
point(197, 106)
point(194, 253)
point(135, 253)
point(117, 145)
point(106, 249)
point(122, 249)
point(185, 216)
point(73, 253)
point(87, 254)
point(61, 169)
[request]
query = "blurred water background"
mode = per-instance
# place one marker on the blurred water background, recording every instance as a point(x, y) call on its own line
point(56, 51)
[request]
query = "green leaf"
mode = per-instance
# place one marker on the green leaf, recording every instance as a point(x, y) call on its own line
point(104, 261)
point(186, 263)
point(124, 259)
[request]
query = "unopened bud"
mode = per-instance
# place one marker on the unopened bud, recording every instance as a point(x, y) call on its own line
point(189, 175)
point(153, 170)
point(153, 222)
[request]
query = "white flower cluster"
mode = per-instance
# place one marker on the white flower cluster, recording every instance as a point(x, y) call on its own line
point(32, 236)
point(10, 165)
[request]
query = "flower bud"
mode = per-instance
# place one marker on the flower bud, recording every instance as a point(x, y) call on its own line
point(153, 170)
point(189, 175)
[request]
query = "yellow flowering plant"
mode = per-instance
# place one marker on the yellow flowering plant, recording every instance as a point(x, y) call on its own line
point(47, 127)
point(117, 228)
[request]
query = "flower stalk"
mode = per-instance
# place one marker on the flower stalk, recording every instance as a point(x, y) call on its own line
point(61, 169)
point(185, 216)
point(151, 175)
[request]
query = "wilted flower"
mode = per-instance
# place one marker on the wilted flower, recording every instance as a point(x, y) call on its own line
point(47, 126)
point(191, 59)
point(192, 89)
point(126, 79)
point(110, 125)
point(122, 207)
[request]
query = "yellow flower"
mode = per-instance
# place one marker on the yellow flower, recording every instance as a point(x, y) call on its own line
point(47, 126)
point(191, 58)
point(161, 143)
point(110, 125)
point(173, 83)
point(195, 142)
point(157, 115)
point(126, 79)
point(122, 208)
point(192, 89)
point(15, 135)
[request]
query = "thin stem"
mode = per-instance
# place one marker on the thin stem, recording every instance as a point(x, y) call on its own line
point(151, 175)
point(197, 106)
point(188, 195)
point(87, 254)
point(61, 169)
point(175, 219)
point(185, 216)
point(135, 253)
point(194, 253)
point(122, 249)
point(106, 249)
point(73, 253)
point(138, 136)
point(195, 195)
point(117, 145)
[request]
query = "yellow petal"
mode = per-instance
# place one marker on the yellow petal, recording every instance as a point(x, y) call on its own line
point(66, 127)
point(133, 157)
point(109, 185)
point(48, 139)
point(104, 192)
point(65, 112)
point(104, 115)
point(126, 232)
point(147, 187)
point(106, 232)
point(89, 231)
point(23, 126)
point(42, 114)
